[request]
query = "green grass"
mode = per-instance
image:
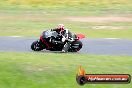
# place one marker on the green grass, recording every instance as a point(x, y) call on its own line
point(32, 22)
point(91, 5)
point(31, 17)
point(54, 70)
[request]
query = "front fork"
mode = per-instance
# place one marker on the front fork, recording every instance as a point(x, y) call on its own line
point(41, 44)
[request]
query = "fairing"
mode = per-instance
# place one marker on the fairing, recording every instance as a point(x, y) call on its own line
point(80, 36)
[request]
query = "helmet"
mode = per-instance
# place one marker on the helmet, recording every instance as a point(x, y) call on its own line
point(61, 27)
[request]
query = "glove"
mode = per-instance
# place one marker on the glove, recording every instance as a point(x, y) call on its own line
point(63, 39)
point(71, 39)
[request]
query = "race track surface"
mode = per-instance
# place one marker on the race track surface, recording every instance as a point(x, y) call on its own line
point(91, 46)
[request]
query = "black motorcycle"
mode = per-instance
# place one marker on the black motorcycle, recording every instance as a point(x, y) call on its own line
point(51, 40)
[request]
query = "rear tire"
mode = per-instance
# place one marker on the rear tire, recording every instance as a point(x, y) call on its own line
point(36, 46)
point(79, 46)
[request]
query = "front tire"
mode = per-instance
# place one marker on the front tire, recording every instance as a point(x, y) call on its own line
point(36, 46)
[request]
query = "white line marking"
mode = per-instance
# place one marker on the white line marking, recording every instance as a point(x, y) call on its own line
point(111, 38)
point(15, 36)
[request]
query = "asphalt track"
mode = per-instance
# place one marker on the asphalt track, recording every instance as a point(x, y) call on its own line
point(101, 46)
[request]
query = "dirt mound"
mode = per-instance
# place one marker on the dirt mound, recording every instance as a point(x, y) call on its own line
point(100, 19)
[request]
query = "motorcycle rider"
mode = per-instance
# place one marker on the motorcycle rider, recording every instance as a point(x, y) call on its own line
point(64, 34)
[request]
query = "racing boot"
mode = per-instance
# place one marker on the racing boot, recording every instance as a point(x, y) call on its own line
point(66, 47)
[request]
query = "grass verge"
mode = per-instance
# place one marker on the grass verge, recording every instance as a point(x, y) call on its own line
point(54, 70)
point(30, 18)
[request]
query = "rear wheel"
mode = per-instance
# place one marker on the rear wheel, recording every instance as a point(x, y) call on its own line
point(76, 46)
point(36, 46)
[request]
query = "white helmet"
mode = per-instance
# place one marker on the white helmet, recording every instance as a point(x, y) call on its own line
point(61, 27)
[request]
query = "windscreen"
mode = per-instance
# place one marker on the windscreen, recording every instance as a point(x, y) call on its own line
point(48, 33)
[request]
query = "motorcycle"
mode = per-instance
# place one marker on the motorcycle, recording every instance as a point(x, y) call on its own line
point(72, 44)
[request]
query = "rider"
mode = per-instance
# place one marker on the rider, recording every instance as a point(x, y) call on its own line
point(62, 31)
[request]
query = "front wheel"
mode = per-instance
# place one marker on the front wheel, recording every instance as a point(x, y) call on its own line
point(36, 46)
